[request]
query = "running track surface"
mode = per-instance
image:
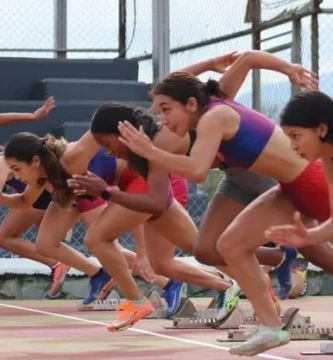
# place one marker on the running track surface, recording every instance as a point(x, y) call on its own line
point(54, 329)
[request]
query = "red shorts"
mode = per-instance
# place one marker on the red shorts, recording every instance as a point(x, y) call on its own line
point(179, 189)
point(84, 204)
point(131, 182)
point(309, 192)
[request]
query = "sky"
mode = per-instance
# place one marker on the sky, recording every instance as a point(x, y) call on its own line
point(94, 24)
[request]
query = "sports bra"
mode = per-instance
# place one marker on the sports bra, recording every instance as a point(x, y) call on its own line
point(253, 134)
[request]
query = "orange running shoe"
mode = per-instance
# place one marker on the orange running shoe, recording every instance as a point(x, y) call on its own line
point(106, 289)
point(131, 314)
point(271, 293)
point(58, 276)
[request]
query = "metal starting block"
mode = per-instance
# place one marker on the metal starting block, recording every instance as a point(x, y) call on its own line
point(186, 308)
point(188, 317)
point(159, 306)
point(300, 328)
point(113, 301)
point(109, 304)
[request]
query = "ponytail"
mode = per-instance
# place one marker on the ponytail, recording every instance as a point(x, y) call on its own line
point(50, 153)
point(212, 88)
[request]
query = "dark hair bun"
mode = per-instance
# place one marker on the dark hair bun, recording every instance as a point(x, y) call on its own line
point(212, 88)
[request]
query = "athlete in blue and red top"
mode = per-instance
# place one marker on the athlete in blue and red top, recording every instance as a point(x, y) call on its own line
point(254, 131)
point(244, 138)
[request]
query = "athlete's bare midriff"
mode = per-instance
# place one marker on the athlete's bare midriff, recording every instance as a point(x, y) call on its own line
point(278, 160)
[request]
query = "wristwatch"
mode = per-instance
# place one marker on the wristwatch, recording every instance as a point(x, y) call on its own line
point(106, 193)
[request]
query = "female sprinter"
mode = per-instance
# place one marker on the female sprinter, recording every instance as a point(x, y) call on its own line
point(169, 227)
point(114, 171)
point(239, 187)
point(18, 220)
point(307, 120)
point(246, 139)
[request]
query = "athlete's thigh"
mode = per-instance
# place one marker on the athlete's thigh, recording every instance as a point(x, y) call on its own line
point(176, 226)
point(220, 213)
point(18, 220)
point(89, 217)
point(238, 189)
point(114, 221)
point(247, 230)
point(55, 223)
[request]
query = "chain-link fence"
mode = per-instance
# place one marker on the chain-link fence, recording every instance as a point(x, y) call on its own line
point(325, 54)
point(51, 28)
point(111, 28)
point(85, 30)
point(20, 34)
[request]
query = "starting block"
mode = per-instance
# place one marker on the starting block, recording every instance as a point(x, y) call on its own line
point(188, 317)
point(109, 304)
point(159, 306)
point(300, 328)
point(186, 307)
point(113, 301)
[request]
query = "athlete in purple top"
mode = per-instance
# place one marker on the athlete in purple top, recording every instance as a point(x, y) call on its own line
point(225, 133)
point(243, 149)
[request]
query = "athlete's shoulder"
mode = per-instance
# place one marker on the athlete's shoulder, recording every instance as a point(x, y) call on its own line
point(219, 111)
point(221, 118)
